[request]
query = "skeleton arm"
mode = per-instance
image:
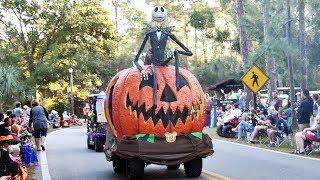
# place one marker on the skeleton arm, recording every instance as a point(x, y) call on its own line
point(140, 51)
point(186, 51)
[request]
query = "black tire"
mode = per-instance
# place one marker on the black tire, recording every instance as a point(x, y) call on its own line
point(135, 170)
point(88, 143)
point(173, 167)
point(98, 144)
point(119, 165)
point(219, 130)
point(193, 168)
point(227, 131)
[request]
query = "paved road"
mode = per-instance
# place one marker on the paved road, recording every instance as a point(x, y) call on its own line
point(68, 158)
point(246, 163)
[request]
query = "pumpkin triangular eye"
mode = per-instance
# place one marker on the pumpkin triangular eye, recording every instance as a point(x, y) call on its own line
point(168, 95)
point(148, 82)
point(182, 82)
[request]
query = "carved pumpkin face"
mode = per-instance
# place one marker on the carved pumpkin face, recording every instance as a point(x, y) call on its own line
point(130, 110)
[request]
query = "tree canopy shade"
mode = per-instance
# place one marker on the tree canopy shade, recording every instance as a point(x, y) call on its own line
point(45, 38)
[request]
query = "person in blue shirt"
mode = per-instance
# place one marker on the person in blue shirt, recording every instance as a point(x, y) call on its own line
point(280, 127)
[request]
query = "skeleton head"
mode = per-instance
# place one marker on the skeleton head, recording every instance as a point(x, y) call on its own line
point(159, 14)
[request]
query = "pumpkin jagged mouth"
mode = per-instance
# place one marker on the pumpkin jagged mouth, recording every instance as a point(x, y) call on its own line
point(166, 117)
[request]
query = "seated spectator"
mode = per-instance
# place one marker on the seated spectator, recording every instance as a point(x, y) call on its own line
point(15, 131)
point(28, 153)
point(65, 116)
point(311, 134)
point(246, 124)
point(8, 112)
point(1, 117)
point(268, 123)
point(236, 111)
point(280, 127)
point(7, 166)
point(287, 111)
point(261, 108)
point(18, 110)
point(8, 122)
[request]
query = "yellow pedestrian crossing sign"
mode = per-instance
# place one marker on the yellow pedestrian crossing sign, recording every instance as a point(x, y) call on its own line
point(255, 79)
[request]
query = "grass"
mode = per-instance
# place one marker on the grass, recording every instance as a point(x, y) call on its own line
point(285, 147)
point(31, 173)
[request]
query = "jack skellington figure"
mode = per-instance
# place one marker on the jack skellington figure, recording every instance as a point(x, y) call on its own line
point(158, 40)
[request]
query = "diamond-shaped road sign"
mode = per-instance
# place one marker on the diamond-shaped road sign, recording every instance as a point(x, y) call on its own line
point(255, 79)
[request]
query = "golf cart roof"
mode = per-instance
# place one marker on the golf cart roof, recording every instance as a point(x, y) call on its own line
point(101, 95)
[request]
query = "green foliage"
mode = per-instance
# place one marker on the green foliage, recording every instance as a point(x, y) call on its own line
point(202, 16)
point(51, 37)
point(11, 86)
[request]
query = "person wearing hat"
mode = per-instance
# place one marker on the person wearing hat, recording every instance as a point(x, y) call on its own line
point(7, 166)
point(305, 110)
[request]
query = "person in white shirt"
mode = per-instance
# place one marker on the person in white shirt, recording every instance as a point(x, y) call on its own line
point(236, 111)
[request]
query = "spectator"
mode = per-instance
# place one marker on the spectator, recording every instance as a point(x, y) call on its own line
point(311, 134)
point(65, 116)
point(85, 111)
point(1, 116)
point(287, 111)
point(7, 166)
point(270, 122)
point(8, 122)
point(316, 105)
point(305, 110)
point(18, 110)
point(276, 102)
point(208, 111)
point(27, 110)
point(261, 108)
point(8, 112)
point(236, 111)
point(246, 124)
point(280, 127)
point(39, 118)
point(242, 101)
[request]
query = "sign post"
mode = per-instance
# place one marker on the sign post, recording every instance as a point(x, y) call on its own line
point(255, 79)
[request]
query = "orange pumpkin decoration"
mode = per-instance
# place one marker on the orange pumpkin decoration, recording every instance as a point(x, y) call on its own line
point(130, 110)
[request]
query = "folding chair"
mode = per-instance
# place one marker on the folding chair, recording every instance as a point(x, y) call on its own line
point(314, 147)
point(282, 137)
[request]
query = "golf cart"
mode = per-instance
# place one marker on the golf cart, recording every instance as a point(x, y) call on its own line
point(97, 123)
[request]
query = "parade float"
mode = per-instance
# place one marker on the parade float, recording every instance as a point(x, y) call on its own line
point(156, 112)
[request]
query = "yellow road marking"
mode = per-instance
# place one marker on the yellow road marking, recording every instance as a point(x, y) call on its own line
point(213, 176)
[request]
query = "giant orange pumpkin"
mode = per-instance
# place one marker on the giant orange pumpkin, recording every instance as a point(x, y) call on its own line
point(130, 110)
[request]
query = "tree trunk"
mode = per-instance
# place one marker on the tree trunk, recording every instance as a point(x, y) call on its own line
point(204, 46)
point(185, 31)
point(271, 69)
point(195, 44)
point(244, 42)
point(290, 64)
point(115, 5)
point(302, 44)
